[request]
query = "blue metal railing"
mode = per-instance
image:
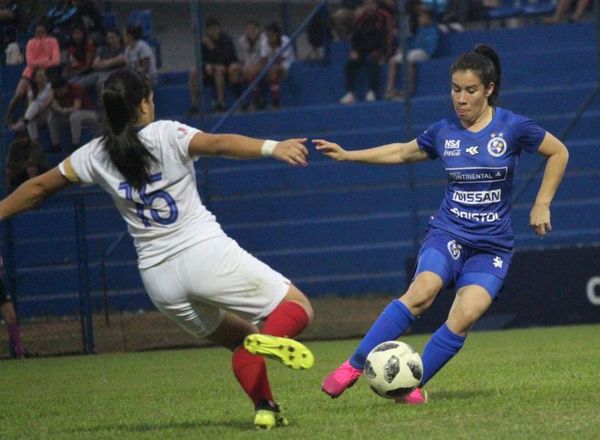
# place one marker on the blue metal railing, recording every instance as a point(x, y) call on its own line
point(563, 136)
point(79, 195)
point(112, 246)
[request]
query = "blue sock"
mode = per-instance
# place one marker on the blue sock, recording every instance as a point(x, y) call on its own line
point(392, 322)
point(442, 347)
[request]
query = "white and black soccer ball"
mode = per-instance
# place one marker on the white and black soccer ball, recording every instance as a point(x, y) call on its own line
point(393, 369)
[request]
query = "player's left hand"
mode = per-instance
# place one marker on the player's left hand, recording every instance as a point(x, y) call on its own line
point(539, 219)
point(292, 151)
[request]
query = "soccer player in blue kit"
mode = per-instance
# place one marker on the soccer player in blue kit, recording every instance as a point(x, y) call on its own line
point(469, 241)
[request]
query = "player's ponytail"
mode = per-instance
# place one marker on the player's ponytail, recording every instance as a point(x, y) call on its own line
point(486, 63)
point(122, 93)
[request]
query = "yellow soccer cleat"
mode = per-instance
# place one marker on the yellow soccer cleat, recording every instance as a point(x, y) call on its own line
point(290, 352)
point(269, 416)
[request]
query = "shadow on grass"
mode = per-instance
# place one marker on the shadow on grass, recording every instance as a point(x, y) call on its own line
point(461, 395)
point(245, 425)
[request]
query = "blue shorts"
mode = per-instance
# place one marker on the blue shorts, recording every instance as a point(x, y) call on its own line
point(460, 265)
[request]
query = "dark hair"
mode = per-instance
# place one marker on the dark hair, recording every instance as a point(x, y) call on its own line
point(79, 46)
point(122, 93)
point(212, 22)
point(135, 32)
point(45, 23)
point(276, 29)
point(484, 61)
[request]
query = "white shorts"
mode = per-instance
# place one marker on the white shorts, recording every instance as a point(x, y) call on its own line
point(195, 287)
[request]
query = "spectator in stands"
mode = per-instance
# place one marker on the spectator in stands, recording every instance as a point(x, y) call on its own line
point(16, 347)
point(65, 14)
point(318, 34)
point(109, 57)
point(25, 160)
point(39, 96)
point(457, 14)
point(9, 22)
point(274, 42)
point(563, 7)
point(248, 51)
point(138, 54)
point(61, 18)
point(72, 106)
point(81, 53)
point(343, 19)
point(220, 66)
point(422, 47)
point(370, 44)
point(88, 14)
point(42, 52)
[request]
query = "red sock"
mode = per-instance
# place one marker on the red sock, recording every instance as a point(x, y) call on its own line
point(288, 319)
point(251, 372)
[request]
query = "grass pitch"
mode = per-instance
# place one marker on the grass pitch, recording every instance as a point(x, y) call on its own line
point(514, 384)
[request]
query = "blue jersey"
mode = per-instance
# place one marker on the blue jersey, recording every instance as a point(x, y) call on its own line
point(481, 169)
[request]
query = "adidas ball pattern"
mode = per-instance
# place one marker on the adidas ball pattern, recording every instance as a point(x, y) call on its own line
point(393, 369)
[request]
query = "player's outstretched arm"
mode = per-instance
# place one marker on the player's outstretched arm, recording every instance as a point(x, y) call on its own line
point(32, 192)
point(389, 154)
point(291, 151)
point(558, 156)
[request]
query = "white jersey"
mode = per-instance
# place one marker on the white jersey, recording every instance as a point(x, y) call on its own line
point(167, 216)
point(286, 58)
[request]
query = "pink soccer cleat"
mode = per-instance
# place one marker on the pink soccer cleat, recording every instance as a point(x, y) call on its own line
point(341, 378)
point(416, 397)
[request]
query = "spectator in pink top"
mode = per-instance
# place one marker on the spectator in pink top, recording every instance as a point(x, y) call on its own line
point(42, 52)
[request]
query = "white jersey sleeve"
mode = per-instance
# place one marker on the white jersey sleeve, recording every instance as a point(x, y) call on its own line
point(78, 168)
point(178, 136)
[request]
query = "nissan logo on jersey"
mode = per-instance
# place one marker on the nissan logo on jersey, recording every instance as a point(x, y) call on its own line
point(477, 197)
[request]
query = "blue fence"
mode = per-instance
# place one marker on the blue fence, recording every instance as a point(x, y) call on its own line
point(332, 228)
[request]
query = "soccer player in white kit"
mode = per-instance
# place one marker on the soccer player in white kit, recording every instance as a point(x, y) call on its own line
point(193, 272)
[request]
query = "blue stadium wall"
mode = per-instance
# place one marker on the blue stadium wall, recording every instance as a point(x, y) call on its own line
point(339, 229)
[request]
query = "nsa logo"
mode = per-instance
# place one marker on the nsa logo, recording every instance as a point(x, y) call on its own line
point(473, 150)
point(451, 144)
point(454, 248)
point(497, 145)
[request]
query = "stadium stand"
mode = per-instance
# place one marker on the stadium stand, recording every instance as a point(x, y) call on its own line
point(338, 228)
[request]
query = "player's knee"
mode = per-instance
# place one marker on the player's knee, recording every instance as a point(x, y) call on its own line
point(296, 295)
point(463, 318)
point(419, 297)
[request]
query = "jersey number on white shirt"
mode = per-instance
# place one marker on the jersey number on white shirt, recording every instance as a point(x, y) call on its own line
point(147, 200)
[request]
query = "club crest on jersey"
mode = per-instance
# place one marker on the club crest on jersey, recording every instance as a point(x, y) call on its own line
point(497, 145)
point(454, 248)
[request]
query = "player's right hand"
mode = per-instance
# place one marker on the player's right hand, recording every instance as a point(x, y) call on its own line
point(292, 151)
point(330, 149)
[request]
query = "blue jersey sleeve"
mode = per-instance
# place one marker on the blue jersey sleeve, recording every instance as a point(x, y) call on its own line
point(426, 141)
point(529, 135)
